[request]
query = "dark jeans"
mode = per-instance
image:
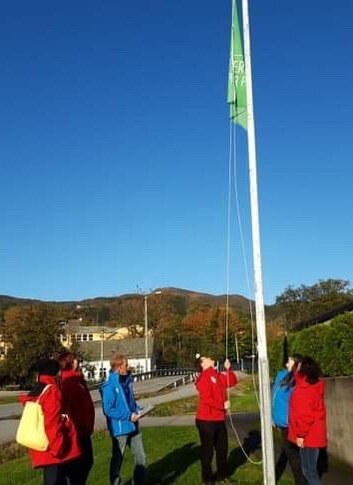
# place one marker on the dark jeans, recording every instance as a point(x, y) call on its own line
point(134, 441)
point(78, 470)
point(54, 475)
point(289, 452)
point(213, 435)
point(309, 457)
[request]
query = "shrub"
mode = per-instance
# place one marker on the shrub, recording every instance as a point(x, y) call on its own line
point(331, 344)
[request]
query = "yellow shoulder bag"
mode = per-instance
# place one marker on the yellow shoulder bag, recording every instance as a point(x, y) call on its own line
point(31, 431)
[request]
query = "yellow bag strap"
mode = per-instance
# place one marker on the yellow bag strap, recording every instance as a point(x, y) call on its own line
point(44, 390)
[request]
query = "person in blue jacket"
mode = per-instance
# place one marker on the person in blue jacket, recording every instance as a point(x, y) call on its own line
point(281, 392)
point(122, 413)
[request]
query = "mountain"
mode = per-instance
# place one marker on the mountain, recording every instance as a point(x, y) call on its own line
point(170, 305)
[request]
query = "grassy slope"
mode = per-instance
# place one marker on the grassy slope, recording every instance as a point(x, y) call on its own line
point(242, 400)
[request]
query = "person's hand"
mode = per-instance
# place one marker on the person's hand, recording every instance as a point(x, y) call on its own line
point(227, 364)
point(300, 442)
point(134, 417)
point(226, 405)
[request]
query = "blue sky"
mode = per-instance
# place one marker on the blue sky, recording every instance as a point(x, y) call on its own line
point(114, 146)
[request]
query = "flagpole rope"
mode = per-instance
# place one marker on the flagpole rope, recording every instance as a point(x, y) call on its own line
point(245, 262)
point(231, 168)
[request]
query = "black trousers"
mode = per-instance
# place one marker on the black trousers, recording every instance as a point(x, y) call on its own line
point(213, 436)
point(54, 475)
point(77, 471)
point(289, 452)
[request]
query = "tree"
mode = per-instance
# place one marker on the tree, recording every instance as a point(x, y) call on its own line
point(33, 333)
point(307, 302)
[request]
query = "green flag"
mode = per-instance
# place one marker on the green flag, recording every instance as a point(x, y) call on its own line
point(236, 78)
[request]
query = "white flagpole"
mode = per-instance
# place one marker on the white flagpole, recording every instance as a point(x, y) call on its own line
point(264, 377)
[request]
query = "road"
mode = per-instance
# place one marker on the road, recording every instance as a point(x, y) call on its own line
point(12, 411)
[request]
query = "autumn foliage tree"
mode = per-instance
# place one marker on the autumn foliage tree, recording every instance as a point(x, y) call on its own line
point(32, 332)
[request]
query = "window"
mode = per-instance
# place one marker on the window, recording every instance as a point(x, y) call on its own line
point(79, 337)
point(84, 337)
point(90, 336)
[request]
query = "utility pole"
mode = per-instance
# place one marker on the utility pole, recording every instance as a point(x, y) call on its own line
point(236, 347)
point(102, 353)
point(146, 333)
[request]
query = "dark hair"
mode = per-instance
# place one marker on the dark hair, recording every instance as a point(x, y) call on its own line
point(48, 367)
point(289, 380)
point(63, 360)
point(310, 369)
point(64, 353)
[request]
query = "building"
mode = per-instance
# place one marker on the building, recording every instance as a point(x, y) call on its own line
point(3, 347)
point(97, 354)
point(81, 333)
point(325, 317)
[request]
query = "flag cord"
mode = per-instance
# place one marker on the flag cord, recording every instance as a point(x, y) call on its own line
point(246, 266)
point(232, 171)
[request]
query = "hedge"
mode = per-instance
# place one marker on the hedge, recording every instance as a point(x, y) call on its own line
point(331, 344)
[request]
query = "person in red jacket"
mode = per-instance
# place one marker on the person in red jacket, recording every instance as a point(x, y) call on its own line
point(210, 417)
point(79, 406)
point(63, 443)
point(307, 417)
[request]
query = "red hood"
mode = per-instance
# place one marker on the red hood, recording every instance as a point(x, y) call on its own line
point(70, 373)
point(302, 382)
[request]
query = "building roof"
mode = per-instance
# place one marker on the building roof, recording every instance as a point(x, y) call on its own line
point(133, 348)
point(325, 317)
point(90, 329)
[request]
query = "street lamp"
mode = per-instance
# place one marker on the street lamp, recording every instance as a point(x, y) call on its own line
point(146, 295)
point(102, 353)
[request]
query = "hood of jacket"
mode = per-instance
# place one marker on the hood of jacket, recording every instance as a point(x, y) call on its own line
point(280, 400)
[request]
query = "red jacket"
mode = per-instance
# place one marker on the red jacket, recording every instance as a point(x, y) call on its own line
point(212, 387)
point(78, 403)
point(307, 413)
point(61, 434)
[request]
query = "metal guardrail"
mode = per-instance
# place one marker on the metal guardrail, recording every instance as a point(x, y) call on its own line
point(159, 372)
point(179, 382)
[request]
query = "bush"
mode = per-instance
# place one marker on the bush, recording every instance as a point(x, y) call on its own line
point(331, 344)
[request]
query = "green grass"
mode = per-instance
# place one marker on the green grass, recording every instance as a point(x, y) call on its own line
point(242, 400)
point(172, 455)
point(8, 400)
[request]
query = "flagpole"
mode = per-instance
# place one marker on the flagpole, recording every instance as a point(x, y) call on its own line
point(263, 367)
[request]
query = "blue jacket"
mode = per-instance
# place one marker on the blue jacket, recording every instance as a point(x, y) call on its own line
point(118, 407)
point(280, 400)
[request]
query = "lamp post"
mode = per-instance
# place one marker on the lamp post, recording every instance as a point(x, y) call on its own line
point(102, 354)
point(145, 296)
point(236, 347)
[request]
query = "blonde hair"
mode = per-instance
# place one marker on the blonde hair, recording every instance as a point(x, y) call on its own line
point(116, 360)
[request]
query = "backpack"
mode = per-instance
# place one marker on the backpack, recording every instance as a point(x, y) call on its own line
point(31, 430)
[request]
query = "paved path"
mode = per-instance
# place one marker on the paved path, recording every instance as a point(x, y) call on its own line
point(180, 393)
point(9, 413)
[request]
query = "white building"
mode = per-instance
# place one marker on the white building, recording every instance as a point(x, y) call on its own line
point(97, 356)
